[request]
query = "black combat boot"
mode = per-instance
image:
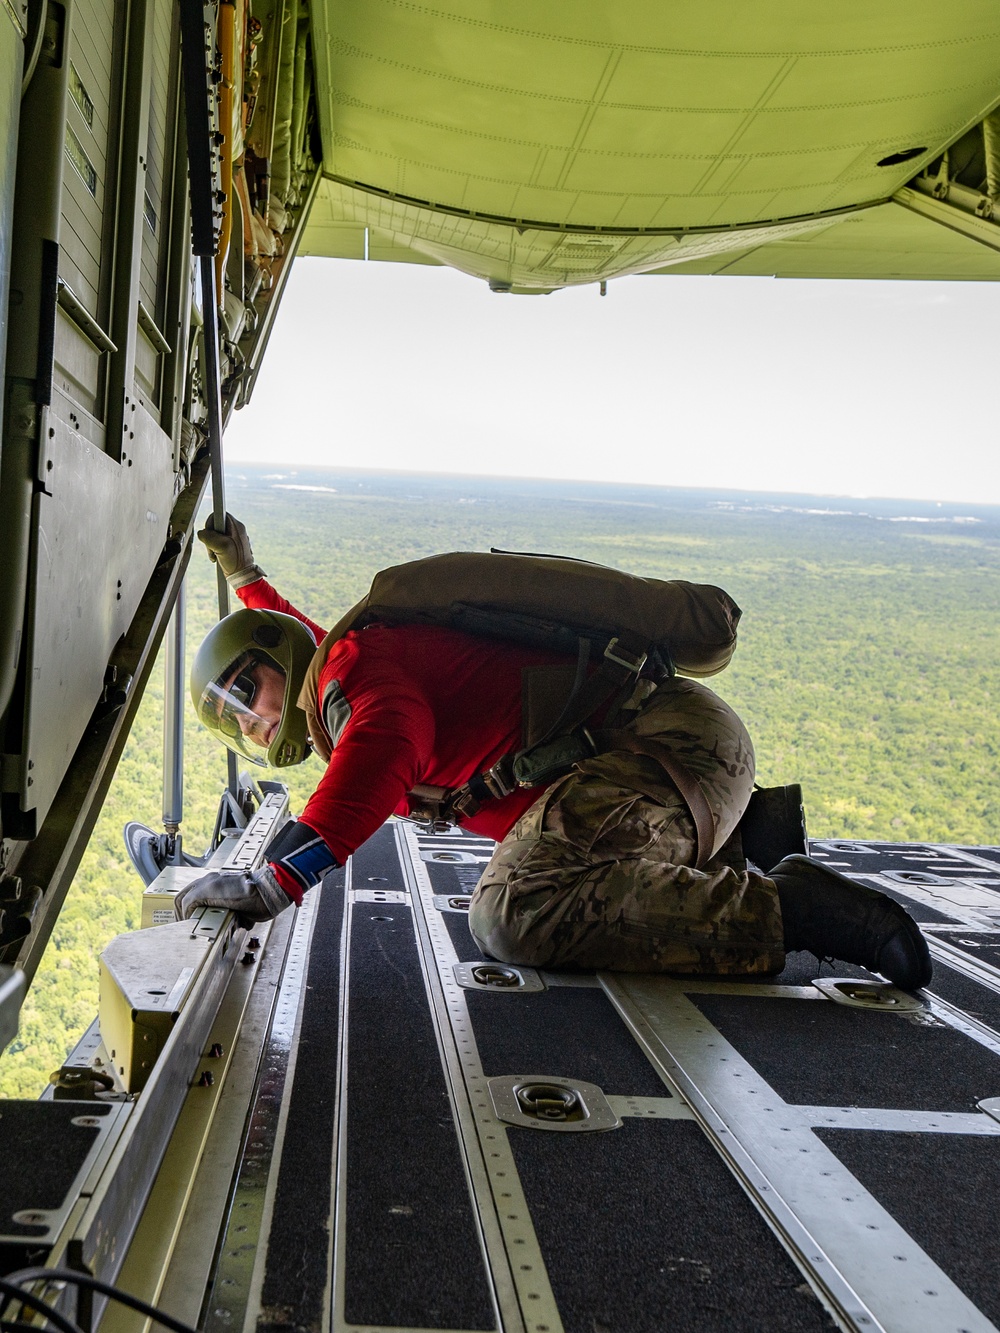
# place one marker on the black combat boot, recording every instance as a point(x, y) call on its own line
point(832, 917)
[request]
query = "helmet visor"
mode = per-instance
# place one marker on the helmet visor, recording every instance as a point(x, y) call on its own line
point(227, 708)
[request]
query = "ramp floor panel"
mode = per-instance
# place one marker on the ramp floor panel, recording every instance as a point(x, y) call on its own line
point(943, 1190)
point(816, 1053)
point(670, 1239)
point(403, 1198)
point(567, 1031)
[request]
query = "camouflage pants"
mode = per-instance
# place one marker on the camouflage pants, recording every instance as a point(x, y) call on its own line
point(597, 873)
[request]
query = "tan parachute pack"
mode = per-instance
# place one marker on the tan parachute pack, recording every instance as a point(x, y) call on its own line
point(649, 628)
point(550, 602)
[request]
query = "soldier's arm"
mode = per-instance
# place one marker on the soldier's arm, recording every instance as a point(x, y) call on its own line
point(260, 595)
point(382, 730)
point(232, 551)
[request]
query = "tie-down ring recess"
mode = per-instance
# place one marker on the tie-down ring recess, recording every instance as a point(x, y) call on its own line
point(545, 1101)
point(497, 977)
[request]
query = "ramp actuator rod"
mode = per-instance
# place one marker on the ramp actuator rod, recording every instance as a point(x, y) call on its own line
point(173, 721)
point(213, 387)
point(197, 115)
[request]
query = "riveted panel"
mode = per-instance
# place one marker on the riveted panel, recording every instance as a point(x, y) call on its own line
point(85, 582)
point(163, 58)
point(459, 107)
point(93, 108)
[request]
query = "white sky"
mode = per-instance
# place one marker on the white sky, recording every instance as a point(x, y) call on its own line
point(849, 388)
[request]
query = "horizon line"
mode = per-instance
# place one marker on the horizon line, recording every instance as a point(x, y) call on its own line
point(287, 468)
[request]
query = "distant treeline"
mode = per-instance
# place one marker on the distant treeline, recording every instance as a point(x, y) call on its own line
point(866, 668)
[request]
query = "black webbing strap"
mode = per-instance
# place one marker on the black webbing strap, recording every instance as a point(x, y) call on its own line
point(579, 680)
point(440, 806)
point(619, 669)
point(623, 660)
point(683, 779)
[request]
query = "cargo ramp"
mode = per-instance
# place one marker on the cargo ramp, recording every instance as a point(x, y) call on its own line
point(355, 1121)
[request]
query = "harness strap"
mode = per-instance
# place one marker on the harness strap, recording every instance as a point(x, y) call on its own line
point(442, 806)
point(622, 663)
point(579, 680)
point(684, 780)
point(620, 666)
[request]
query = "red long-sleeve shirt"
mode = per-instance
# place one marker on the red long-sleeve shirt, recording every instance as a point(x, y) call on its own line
point(423, 705)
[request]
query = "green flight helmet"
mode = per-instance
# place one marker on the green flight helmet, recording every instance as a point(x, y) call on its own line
point(222, 684)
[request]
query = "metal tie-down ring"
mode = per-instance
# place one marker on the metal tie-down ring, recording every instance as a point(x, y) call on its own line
point(548, 1101)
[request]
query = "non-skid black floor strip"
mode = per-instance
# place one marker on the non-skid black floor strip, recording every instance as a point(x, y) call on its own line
point(981, 947)
point(466, 948)
point(644, 1229)
point(42, 1149)
point(568, 1031)
point(818, 1053)
point(985, 853)
point(454, 877)
point(413, 1255)
point(979, 1002)
point(942, 1189)
point(295, 1279)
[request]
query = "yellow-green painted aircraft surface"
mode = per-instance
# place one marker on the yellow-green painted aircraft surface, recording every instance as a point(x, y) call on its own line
point(351, 1120)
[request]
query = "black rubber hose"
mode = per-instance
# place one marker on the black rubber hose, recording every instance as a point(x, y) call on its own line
point(72, 1278)
point(14, 1292)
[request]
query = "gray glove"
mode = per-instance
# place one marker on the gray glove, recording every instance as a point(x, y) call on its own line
point(232, 550)
point(255, 896)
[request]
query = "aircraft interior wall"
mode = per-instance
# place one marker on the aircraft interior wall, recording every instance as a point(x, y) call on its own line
point(162, 168)
point(108, 377)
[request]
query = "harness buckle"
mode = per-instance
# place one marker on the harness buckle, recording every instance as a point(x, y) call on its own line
point(633, 663)
point(463, 804)
point(499, 779)
point(429, 807)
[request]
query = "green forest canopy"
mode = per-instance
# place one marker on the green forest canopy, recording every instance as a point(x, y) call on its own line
point(865, 671)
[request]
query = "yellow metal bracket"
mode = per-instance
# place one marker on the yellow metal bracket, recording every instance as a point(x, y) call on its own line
point(145, 980)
